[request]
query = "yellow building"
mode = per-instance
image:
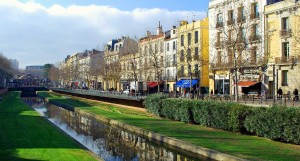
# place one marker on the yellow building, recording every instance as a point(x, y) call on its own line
point(193, 54)
point(282, 45)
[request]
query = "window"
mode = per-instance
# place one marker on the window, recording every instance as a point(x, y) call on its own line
point(161, 46)
point(196, 68)
point(189, 39)
point(285, 23)
point(189, 68)
point(196, 51)
point(181, 55)
point(196, 37)
point(174, 45)
point(255, 11)
point(174, 59)
point(230, 15)
point(182, 40)
point(219, 18)
point(286, 50)
point(182, 70)
point(189, 55)
point(256, 29)
point(174, 32)
point(241, 14)
point(284, 77)
point(168, 46)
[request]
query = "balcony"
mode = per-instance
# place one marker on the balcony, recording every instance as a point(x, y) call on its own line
point(286, 33)
point(286, 60)
point(230, 22)
point(254, 38)
point(219, 24)
point(254, 16)
point(169, 78)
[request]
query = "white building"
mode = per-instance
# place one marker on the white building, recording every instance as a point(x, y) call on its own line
point(170, 54)
point(236, 45)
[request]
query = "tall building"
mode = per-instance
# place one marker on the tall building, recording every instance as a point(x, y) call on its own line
point(236, 46)
point(193, 55)
point(283, 44)
point(151, 54)
point(14, 64)
point(112, 73)
point(170, 62)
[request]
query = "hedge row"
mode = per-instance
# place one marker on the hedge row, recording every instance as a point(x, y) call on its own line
point(275, 123)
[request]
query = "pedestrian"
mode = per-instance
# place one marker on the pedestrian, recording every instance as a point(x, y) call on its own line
point(279, 93)
point(296, 95)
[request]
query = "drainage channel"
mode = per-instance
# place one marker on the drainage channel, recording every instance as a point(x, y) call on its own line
point(109, 143)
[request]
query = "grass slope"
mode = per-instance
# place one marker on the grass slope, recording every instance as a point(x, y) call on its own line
point(24, 135)
point(248, 147)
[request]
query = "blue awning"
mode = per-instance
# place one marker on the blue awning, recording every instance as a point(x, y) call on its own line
point(185, 83)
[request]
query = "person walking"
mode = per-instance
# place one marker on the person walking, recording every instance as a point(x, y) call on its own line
point(279, 94)
point(296, 95)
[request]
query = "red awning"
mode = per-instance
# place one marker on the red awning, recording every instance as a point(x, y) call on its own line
point(152, 84)
point(246, 83)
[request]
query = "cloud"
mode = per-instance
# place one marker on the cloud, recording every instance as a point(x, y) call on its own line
point(35, 34)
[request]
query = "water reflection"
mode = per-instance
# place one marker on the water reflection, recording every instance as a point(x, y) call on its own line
point(107, 142)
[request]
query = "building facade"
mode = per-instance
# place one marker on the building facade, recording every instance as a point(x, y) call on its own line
point(236, 46)
point(151, 58)
point(112, 71)
point(193, 55)
point(170, 62)
point(283, 43)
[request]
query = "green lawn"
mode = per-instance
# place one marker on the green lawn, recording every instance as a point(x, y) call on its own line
point(25, 135)
point(248, 147)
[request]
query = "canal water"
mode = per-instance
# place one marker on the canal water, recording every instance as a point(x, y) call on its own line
point(109, 143)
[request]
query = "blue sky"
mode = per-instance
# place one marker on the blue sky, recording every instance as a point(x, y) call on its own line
point(36, 32)
point(196, 5)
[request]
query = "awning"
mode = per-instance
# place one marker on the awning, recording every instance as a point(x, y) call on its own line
point(152, 84)
point(246, 83)
point(186, 83)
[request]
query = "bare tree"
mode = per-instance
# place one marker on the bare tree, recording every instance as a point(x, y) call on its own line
point(6, 71)
point(237, 42)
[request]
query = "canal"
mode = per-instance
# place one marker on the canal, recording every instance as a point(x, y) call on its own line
point(109, 143)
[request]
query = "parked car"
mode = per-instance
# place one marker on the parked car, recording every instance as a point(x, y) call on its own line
point(126, 91)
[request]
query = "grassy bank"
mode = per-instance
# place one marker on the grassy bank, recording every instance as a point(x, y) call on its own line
point(248, 147)
point(24, 135)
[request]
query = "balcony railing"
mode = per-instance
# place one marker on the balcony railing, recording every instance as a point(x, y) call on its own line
point(254, 15)
point(285, 60)
point(169, 78)
point(219, 24)
point(286, 33)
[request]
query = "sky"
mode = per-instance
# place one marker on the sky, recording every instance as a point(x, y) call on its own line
point(36, 32)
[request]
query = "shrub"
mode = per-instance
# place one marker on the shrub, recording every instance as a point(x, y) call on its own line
point(153, 103)
point(276, 123)
point(177, 109)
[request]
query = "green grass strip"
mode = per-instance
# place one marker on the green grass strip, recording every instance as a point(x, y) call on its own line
point(25, 135)
point(243, 146)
